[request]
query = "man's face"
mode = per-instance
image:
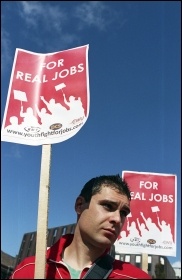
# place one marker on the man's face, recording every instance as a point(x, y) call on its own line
point(102, 219)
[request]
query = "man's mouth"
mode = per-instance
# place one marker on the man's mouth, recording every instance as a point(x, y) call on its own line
point(110, 231)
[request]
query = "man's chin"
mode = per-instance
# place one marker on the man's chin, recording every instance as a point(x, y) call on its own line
point(105, 242)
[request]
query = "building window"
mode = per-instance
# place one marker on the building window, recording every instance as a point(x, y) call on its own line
point(64, 231)
point(119, 257)
point(149, 263)
point(162, 263)
point(54, 236)
point(31, 237)
point(138, 261)
point(127, 258)
point(162, 260)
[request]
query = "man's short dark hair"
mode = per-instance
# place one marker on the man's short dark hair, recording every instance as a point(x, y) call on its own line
point(94, 186)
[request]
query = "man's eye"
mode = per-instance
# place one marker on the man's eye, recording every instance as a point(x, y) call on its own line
point(124, 213)
point(107, 206)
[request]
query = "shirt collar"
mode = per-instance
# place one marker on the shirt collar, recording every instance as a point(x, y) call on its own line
point(56, 250)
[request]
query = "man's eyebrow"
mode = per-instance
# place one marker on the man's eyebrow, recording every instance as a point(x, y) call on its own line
point(114, 203)
point(110, 201)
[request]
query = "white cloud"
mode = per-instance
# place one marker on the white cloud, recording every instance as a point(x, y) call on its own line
point(6, 54)
point(14, 152)
point(87, 13)
point(91, 13)
point(46, 19)
point(97, 14)
point(17, 153)
point(53, 24)
point(177, 268)
point(35, 13)
point(177, 264)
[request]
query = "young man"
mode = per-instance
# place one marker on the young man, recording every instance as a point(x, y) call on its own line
point(101, 207)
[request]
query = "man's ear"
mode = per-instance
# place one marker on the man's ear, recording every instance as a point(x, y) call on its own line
point(79, 205)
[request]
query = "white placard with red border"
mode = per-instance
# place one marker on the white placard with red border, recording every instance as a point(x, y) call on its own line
point(151, 226)
point(48, 98)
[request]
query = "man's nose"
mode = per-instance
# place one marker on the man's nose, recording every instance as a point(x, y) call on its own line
point(116, 217)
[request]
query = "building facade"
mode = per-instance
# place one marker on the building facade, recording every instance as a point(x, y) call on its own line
point(154, 261)
point(28, 248)
point(7, 265)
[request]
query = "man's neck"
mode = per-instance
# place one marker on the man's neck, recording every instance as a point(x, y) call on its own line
point(79, 255)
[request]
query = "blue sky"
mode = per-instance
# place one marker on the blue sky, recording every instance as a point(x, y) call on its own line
point(134, 120)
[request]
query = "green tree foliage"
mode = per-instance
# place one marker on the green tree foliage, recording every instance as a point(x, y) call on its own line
point(159, 271)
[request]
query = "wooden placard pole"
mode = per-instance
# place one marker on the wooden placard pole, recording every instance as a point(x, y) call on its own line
point(42, 220)
point(145, 262)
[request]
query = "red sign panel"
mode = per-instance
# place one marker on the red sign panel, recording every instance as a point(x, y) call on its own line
point(48, 97)
point(151, 225)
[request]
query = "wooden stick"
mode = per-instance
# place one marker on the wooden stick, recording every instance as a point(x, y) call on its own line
point(42, 221)
point(145, 262)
